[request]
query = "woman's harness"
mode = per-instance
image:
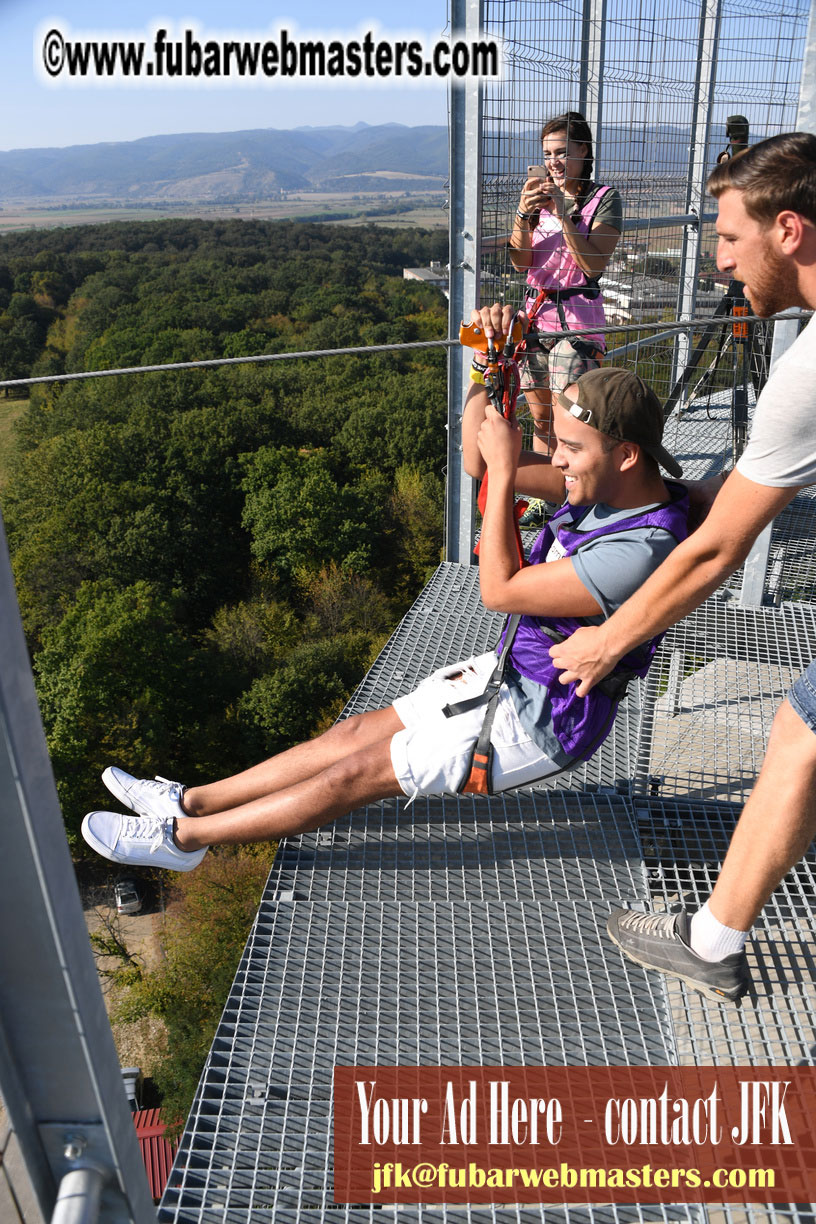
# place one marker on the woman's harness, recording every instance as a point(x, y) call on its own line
point(590, 289)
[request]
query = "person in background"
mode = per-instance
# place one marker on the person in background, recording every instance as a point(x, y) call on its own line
point(564, 232)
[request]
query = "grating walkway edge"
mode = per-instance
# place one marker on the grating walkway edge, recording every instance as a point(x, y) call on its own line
point(468, 931)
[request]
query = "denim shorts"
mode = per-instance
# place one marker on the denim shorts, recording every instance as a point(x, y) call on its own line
point(556, 364)
point(802, 696)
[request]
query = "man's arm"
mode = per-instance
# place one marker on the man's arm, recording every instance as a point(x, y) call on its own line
point(553, 589)
point(693, 570)
point(535, 476)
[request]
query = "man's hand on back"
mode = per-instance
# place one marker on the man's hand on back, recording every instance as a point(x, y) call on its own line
point(583, 657)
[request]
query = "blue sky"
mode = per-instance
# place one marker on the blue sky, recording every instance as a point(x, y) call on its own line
point(38, 116)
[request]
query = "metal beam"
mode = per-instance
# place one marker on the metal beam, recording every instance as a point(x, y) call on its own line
point(59, 1071)
point(698, 168)
point(591, 68)
point(465, 191)
point(806, 115)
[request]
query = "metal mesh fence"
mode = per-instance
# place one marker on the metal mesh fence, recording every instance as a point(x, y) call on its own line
point(637, 70)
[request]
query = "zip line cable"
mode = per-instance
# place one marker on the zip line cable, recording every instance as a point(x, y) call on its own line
point(665, 329)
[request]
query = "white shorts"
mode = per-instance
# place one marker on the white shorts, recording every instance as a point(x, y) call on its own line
point(431, 755)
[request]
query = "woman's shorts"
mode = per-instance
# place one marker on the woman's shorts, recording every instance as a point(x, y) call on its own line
point(555, 364)
point(431, 756)
point(802, 696)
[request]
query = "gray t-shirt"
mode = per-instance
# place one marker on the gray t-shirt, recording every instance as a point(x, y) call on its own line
point(781, 450)
point(611, 568)
point(610, 209)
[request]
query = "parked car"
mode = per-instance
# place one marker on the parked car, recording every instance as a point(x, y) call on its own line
point(128, 897)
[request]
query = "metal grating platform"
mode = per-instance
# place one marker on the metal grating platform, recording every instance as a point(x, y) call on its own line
point(458, 930)
point(716, 684)
point(326, 983)
point(520, 846)
point(683, 846)
point(701, 437)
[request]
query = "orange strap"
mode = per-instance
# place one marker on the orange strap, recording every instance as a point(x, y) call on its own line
point(518, 511)
point(478, 780)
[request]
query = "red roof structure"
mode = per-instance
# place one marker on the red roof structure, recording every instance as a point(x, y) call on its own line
point(157, 1152)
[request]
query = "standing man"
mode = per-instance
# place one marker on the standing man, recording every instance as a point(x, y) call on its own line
point(767, 240)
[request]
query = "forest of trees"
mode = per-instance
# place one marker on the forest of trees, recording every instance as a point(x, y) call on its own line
point(208, 560)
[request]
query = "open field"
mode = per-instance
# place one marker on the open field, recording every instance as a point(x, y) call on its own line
point(137, 1041)
point(424, 209)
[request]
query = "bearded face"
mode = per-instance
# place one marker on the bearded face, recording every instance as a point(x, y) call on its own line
point(748, 251)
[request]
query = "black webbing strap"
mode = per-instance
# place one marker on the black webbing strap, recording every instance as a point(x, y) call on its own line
point(478, 777)
point(590, 290)
point(496, 676)
point(614, 685)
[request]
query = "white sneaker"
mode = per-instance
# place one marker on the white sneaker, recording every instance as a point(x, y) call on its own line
point(161, 798)
point(139, 841)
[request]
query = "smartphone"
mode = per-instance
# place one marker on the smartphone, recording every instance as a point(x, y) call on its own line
point(538, 172)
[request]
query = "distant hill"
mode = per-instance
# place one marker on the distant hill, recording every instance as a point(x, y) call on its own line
point(243, 167)
point(230, 166)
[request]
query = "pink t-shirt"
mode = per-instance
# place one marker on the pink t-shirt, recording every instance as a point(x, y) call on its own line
point(555, 268)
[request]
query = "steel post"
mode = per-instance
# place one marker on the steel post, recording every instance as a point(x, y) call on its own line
point(698, 168)
point(59, 1071)
point(591, 68)
point(465, 192)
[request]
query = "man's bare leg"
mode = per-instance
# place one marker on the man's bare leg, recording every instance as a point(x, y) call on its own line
point(350, 782)
point(707, 950)
point(294, 765)
point(777, 824)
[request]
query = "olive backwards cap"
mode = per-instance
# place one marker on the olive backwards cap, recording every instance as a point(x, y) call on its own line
point(622, 406)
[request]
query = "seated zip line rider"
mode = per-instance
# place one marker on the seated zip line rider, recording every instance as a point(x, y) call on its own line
point(617, 524)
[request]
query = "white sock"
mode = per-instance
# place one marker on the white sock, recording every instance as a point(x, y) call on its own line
point(711, 940)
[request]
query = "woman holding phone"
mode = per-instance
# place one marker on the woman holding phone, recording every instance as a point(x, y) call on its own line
point(565, 230)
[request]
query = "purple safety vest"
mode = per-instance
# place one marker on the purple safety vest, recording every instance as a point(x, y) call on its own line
point(581, 724)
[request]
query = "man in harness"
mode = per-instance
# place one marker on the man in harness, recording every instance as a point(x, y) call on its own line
point(618, 522)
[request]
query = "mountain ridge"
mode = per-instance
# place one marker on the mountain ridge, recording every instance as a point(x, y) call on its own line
point(259, 163)
point(244, 165)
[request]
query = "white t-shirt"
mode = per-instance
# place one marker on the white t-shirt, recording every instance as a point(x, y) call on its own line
point(781, 450)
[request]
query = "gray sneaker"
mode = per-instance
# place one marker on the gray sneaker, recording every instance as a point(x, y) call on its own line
point(661, 941)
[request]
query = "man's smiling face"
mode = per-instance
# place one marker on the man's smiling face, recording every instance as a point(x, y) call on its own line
point(585, 457)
